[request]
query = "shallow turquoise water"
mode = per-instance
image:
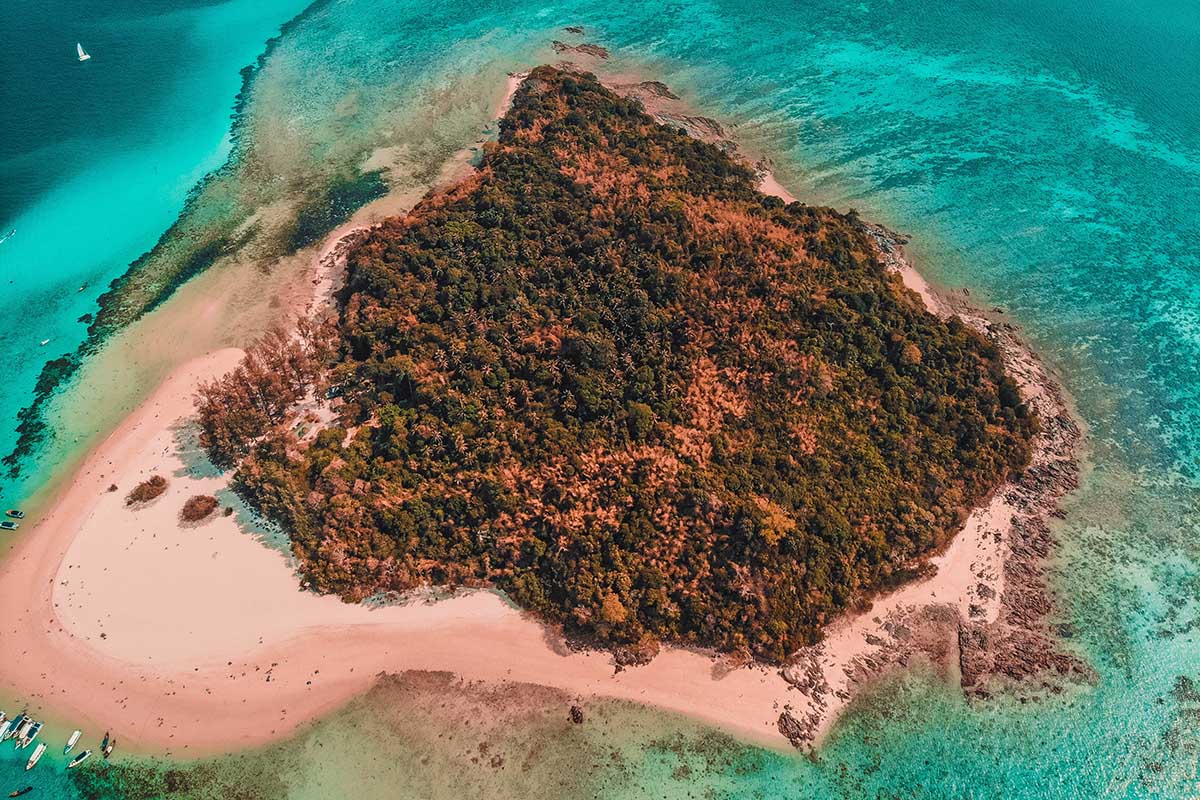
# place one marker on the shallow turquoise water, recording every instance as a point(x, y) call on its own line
point(1047, 155)
point(97, 158)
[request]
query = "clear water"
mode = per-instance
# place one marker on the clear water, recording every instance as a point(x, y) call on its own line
point(1045, 154)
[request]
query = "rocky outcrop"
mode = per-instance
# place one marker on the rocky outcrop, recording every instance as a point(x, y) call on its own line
point(1020, 644)
point(798, 731)
point(587, 49)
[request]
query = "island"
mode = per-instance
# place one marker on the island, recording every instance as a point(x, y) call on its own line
point(610, 377)
point(606, 412)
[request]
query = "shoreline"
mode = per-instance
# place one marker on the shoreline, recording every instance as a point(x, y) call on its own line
point(164, 618)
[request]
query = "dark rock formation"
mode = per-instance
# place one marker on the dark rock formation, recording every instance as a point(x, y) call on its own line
point(593, 50)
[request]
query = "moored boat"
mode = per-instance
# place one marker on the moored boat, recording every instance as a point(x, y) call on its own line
point(36, 757)
point(108, 748)
point(79, 759)
point(31, 733)
point(12, 729)
point(15, 513)
point(20, 726)
point(4, 726)
point(19, 792)
point(72, 742)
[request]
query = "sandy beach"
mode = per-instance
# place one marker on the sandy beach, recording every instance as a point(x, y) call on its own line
point(196, 638)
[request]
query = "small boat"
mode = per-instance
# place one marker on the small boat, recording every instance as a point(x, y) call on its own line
point(7, 236)
point(104, 744)
point(43, 342)
point(15, 513)
point(4, 726)
point(79, 759)
point(72, 742)
point(9, 525)
point(20, 792)
point(12, 729)
point(30, 735)
point(18, 733)
point(3, 716)
point(36, 757)
point(108, 748)
point(83, 54)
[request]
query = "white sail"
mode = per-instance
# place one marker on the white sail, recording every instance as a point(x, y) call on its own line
point(83, 56)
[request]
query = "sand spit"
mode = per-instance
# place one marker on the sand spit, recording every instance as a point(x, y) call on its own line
point(196, 638)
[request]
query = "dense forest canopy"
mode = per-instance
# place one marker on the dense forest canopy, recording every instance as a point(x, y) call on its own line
point(608, 376)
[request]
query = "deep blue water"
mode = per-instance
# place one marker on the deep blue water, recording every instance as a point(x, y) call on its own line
point(1045, 154)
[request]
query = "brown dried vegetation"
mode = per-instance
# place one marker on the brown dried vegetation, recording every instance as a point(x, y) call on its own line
point(610, 377)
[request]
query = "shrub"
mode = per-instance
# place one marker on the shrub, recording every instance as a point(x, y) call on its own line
point(147, 490)
point(198, 507)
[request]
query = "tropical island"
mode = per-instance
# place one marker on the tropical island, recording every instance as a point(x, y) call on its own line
point(609, 376)
point(613, 382)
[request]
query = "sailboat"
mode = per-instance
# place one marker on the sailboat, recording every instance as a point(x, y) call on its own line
point(83, 54)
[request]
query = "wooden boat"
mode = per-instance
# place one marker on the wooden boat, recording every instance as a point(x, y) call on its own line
point(79, 759)
point(36, 757)
point(108, 748)
point(72, 742)
point(20, 792)
point(30, 734)
point(12, 729)
point(19, 732)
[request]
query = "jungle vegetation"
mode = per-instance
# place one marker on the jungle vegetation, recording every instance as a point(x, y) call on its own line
point(608, 376)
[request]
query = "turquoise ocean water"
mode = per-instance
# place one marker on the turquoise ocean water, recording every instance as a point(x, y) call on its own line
point(1045, 154)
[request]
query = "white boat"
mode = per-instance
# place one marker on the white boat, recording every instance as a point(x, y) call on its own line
point(44, 342)
point(83, 55)
point(14, 723)
point(4, 726)
point(79, 759)
point(3, 716)
point(30, 734)
point(37, 755)
point(72, 742)
point(18, 733)
point(7, 236)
